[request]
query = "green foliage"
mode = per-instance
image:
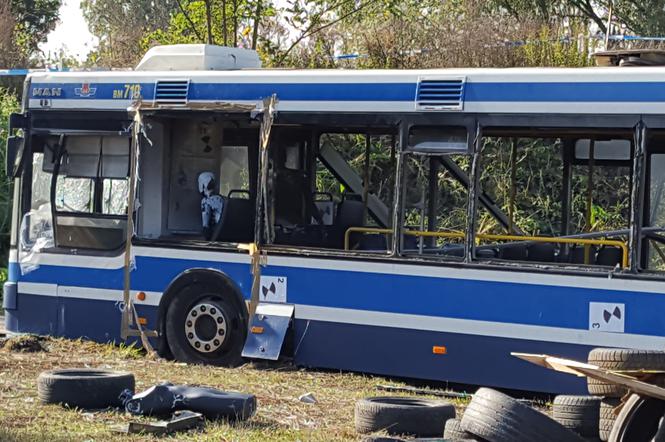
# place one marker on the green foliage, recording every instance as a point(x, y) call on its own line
point(35, 18)
point(8, 104)
point(231, 23)
point(550, 49)
point(643, 17)
point(121, 24)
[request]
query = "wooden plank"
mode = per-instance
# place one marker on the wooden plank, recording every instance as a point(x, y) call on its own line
point(582, 369)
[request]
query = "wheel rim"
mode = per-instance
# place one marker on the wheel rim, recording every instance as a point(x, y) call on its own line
point(206, 327)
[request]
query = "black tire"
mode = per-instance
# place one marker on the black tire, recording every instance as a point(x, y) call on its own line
point(624, 359)
point(578, 413)
point(607, 417)
point(229, 353)
point(383, 439)
point(499, 418)
point(639, 420)
point(403, 415)
point(453, 431)
point(84, 388)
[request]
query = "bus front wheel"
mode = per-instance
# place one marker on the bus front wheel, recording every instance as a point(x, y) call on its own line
point(204, 328)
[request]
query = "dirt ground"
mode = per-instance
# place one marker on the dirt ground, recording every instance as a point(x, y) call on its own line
point(280, 416)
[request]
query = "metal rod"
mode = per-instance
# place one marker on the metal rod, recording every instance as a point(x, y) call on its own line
point(636, 197)
point(398, 208)
point(366, 171)
point(393, 162)
point(490, 237)
point(566, 187)
point(589, 198)
point(513, 185)
point(432, 195)
point(133, 158)
point(474, 186)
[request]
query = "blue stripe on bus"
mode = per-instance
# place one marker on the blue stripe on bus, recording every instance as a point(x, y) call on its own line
point(505, 302)
point(368, 349)
point(647, 92)
point(386, 351)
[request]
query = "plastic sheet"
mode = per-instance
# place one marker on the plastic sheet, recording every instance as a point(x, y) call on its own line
point(36, 234)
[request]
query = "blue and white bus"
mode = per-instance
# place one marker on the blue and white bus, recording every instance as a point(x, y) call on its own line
point(408, 259)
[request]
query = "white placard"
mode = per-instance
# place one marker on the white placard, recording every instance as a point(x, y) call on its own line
point(273, 289)
point(607, 317)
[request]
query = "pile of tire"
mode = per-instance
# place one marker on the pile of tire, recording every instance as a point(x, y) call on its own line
point(496, 417)
point(490, 416)
point(617, 359)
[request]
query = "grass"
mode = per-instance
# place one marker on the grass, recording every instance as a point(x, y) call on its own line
point(280, 416)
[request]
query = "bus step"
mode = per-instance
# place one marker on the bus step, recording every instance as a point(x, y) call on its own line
point(148, 333)
point(267, 330)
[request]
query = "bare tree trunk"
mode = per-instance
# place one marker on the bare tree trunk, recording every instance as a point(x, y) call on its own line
point(209, 21)
point(257, 19)
point(235, 23)
point(224, 27)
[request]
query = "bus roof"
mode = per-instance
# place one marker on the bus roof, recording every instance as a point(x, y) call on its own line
point(599, 90)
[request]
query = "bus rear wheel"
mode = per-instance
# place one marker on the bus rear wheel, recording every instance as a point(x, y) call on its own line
point(204, 328)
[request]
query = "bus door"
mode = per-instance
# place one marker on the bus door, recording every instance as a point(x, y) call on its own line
point(74, 200)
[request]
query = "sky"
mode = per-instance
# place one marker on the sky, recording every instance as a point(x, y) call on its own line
point(71, 35)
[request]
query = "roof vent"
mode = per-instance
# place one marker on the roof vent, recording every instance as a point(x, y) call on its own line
point(440, 93)
point(171, 91)
point(198, 57)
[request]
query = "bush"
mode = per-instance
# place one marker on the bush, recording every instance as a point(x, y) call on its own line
point(8, 104)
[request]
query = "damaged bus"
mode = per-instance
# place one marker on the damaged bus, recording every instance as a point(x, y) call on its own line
point(417, 223)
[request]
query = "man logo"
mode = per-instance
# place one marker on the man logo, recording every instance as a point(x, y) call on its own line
point(85, 91)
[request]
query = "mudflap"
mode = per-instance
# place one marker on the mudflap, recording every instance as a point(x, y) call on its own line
point(267, 330)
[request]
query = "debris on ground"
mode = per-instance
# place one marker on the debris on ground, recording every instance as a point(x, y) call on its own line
point(613, 373)
point(277, 386)
point(307, 398)
point(212, 403)
point(25, 343)
point(179, 421)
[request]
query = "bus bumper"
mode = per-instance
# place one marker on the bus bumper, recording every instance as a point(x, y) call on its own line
point(9, 295)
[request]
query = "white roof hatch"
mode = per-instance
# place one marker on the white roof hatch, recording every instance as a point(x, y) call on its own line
point(198, 57)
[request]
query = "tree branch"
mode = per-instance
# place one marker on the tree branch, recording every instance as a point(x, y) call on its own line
point(587, 9)
point(209, 21)
point(189, 20)
point(257, 18)
point(309, 32)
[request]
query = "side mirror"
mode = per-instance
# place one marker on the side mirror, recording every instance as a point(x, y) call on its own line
point(13, 156)
point(18, 121)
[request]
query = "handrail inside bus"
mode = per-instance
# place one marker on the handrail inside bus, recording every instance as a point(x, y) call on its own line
point(491, 237)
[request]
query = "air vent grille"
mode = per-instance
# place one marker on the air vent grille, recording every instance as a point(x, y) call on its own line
point(440, 94)
point(171, 91)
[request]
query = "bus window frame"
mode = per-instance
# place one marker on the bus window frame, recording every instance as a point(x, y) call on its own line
point(405, 150)
point(55, 213)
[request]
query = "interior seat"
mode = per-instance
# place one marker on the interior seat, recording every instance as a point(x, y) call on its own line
point(514, 252)
point(609, 256)
point(577, 254)
point(237, 222)
point(350, 213)
point(541, 252)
